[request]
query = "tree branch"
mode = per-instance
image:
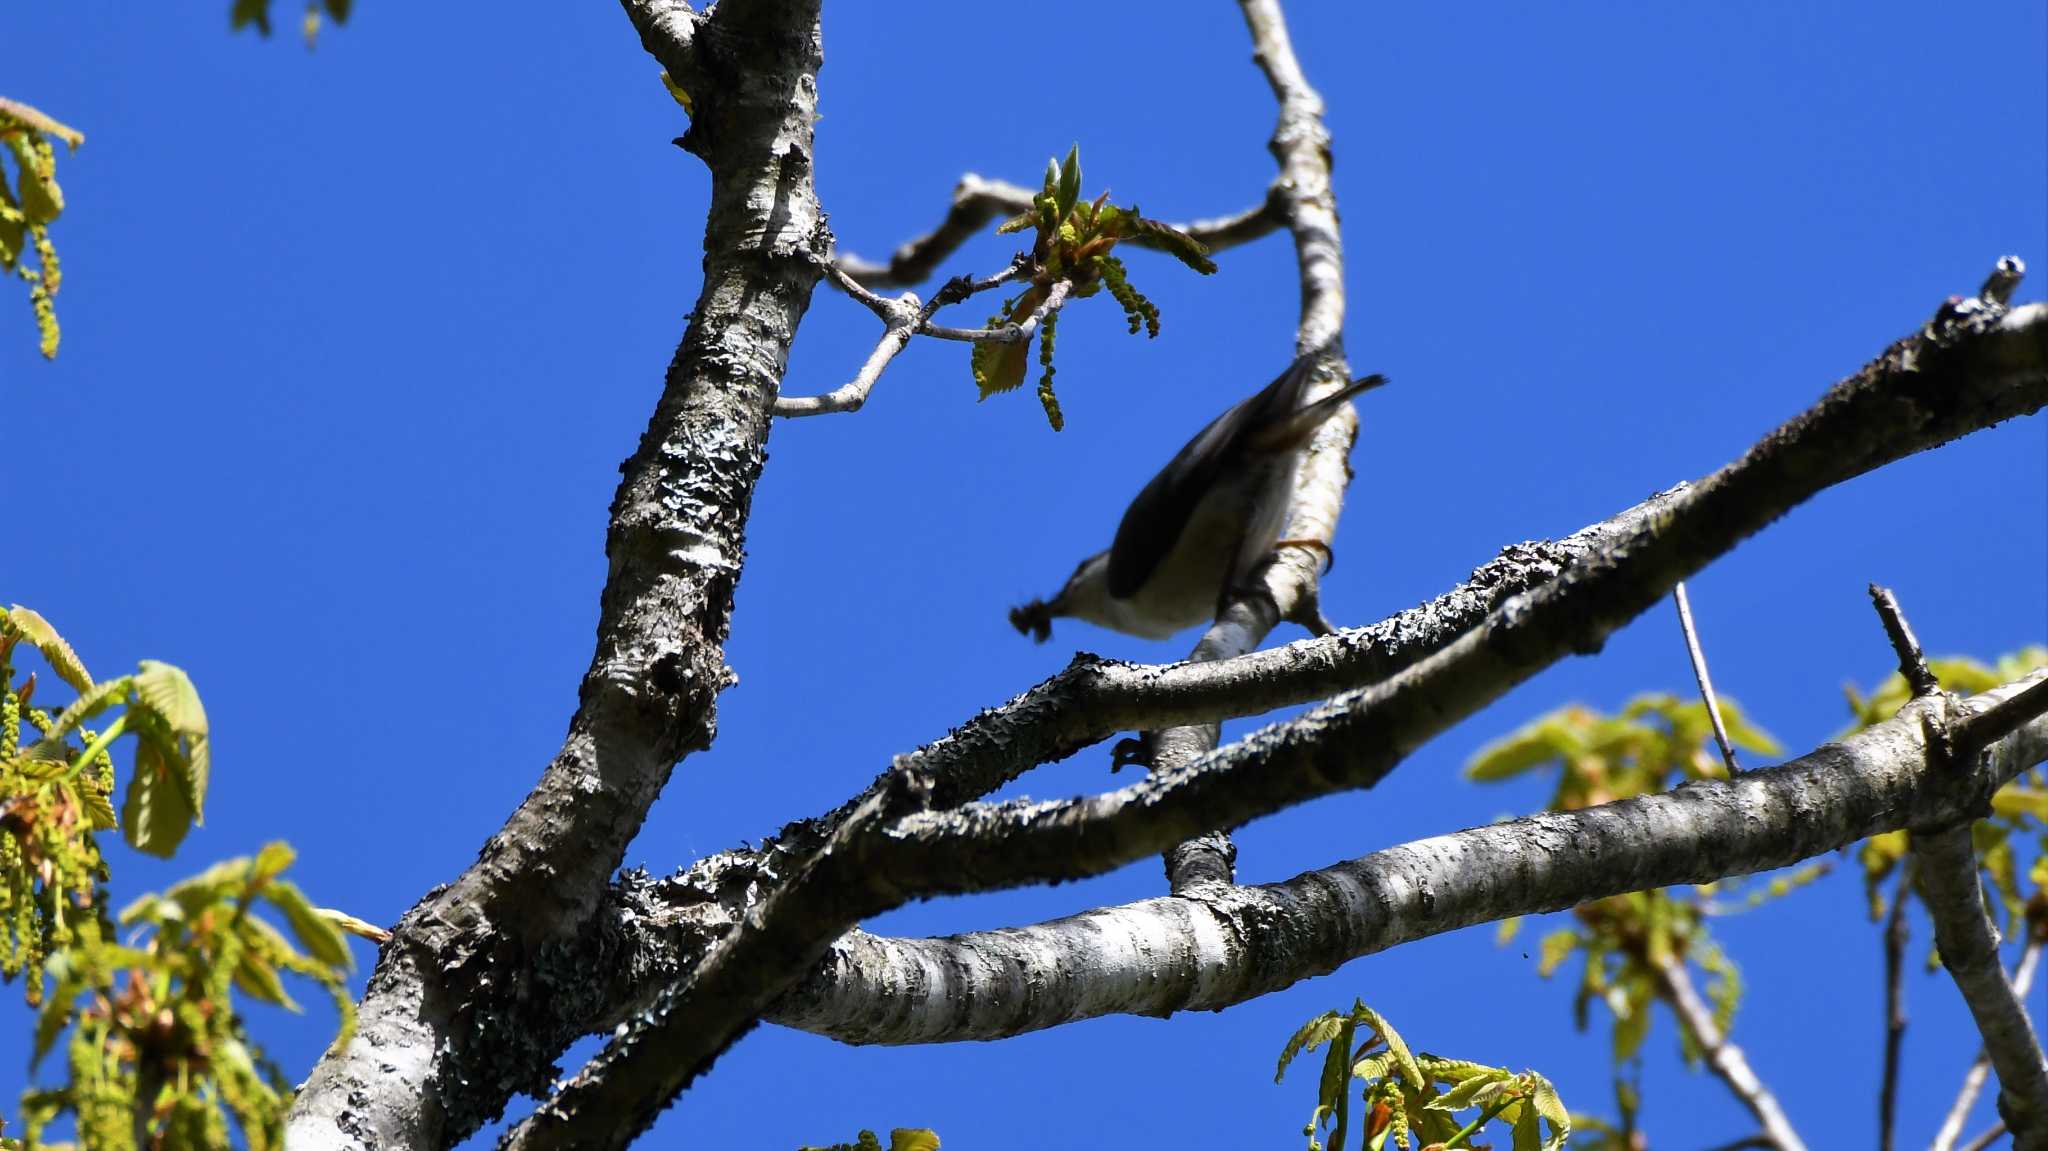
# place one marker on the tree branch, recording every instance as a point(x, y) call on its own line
point(1965, 372)
point(1219, 948)
point(449, 1028)
point(1897, 930)
point(1946, 874)
point(1287, 587)
point(1725, 1056)
point(1973, 1080)
point(903, 318)
point(977, 201)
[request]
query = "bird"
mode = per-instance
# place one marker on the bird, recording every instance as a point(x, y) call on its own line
point(1205, 523)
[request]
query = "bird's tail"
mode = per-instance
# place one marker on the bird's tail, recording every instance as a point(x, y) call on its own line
point(1302, 424)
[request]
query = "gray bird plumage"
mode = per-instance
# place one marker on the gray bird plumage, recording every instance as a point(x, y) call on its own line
point(1204, 523)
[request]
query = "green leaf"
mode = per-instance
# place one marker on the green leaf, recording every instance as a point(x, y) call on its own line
point(1744, 734)
point(1631, 1021)
point(2014, 801)
point(913, 1139)
point(1403, 1058)
point(168, 691)
point(1554, 950)
point(270, 862)
point(1308, 1037)
point(157, 810)
point(1465, 1093)
point(316, 933)
point(69, 980)
point(1553, 1110)
point(1536, 745)
point(259, 980)
point(58, 653)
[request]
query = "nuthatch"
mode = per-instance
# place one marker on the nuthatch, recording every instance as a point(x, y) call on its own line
point(1205, 522)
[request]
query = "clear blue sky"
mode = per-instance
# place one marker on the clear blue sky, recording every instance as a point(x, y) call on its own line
point(354, 344)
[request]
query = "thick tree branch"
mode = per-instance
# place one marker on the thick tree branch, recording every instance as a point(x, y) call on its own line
point(1726, 1057)
point(1222, 947)
point(1946, 873)
point(448, 1029)
point(977, 201)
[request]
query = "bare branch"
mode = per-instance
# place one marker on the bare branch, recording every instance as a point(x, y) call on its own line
point(1725, 1056)
point(1699, 673)
point(1973, 1080)
point(1946, 874)
point(977, 201)
point(1897, 930)
point(1288, 586)
point(1220, 947)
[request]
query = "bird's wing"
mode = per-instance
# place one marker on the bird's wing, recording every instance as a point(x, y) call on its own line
point(1155, 519)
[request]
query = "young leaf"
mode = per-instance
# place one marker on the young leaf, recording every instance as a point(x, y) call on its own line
point(155, 813)
point(316, 933)
point(1308, 1037)
point(62, 659)
point(1069, 192)
point(913, 1139)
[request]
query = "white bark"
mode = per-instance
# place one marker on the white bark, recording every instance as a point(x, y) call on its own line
point(1215, 948)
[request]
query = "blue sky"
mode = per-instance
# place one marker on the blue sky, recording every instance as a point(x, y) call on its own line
point(355, 341)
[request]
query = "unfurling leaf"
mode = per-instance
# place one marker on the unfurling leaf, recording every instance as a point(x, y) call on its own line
point(38, 632)
point(1069, 192)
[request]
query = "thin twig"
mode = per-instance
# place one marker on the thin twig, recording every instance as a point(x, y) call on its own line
point(1973, 1079)
point(1897, 929)
point(1724, 1056)
point(1706, 682)
point(1989, 1137)
point(1912, 664)
point(1012, 333)
point(903, 317)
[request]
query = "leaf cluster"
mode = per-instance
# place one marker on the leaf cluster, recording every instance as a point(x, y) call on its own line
point(1412, 1098)
point(157, 1051)
point(1074, 241)
point(156, 1046)
point(30, 201)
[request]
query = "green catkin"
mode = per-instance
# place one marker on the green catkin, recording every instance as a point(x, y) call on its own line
point(1046, 397)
